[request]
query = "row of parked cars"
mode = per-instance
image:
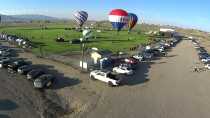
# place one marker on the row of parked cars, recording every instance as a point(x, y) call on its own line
point(21, 42)
point(127, 66)
point(38, 76)
point(202, 53)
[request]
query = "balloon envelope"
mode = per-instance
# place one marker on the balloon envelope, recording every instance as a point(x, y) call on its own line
point(132, 20)
point(118, 18)
point(87, 33)
point(80, 17)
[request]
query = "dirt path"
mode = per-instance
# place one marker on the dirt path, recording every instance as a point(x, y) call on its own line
point(174, 91)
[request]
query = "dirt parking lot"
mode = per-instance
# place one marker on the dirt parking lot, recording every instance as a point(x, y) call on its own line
point(173, 90)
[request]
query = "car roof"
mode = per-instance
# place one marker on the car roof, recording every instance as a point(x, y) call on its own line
point(45, 76)
point(104, 71)
point(37, 70)
point(26, 66)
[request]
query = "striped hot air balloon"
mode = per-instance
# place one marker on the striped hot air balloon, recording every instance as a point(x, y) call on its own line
point(80, 17)
point(132, 20)
point(118, 18)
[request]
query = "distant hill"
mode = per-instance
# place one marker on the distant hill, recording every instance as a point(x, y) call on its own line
point(25, 18)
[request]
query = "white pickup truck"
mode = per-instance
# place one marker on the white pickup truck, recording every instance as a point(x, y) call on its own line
point(105, 76)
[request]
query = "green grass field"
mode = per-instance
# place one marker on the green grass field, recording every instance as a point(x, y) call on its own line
point(104, 40)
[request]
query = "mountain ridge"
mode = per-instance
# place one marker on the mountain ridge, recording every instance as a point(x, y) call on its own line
point(26, 18)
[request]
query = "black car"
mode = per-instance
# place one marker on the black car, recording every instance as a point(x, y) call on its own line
point(6, 61)
point(25, 69)
point(4, 49)
point(155, 52)
point(44, 81)
point(129, 66)
point(75, 41)
point(3, 58)
point(5, 54)
point(59, 39)
point(203, 55)
point(35, 73)
point(201, 50)
point(16, 64)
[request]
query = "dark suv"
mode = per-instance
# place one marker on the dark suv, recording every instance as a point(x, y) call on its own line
point(44, 81)
point(25, 69)
point(35, 73)
point(4, 62)
point(16, 64)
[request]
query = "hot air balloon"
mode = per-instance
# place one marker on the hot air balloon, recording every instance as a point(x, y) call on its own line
point(87, 34)
point(132, 20)
point(80, 17)
point(118, 18)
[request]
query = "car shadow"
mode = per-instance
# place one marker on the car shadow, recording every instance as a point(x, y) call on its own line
point(156, 58)
point(38, 44)
point(161, 62)
point(108, 40)
point(4, 116)
point(140, 76)
point(7, 105)
point(168, 56)
point(60, 80)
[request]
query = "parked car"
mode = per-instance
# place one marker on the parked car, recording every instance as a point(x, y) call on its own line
point(196, 46)
point(167, 45)
point(44, 81)
point(59, 39)
point(203, 55)
point(131, 60)
point(139, 57)
point(25, 69)
point(4, 62)
point(75, 41)
point(5, 49)
point(105, 76)
point(32, 75)
point(123, 70)
point(130, 66)
point(207, 66)
point(16, 64)
point(206, 59)
point(5, 54)
point(148, 55)
point(155, 52)
point(200, 50)
point(3, 58)
point(161, 49)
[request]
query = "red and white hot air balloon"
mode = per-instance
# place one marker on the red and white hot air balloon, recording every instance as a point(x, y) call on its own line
point(118, 18)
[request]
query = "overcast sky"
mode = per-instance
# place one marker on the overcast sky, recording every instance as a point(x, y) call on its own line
point(185, 13)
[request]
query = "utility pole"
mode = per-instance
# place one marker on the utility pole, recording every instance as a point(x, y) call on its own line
point(0, 19)
point(83, 54)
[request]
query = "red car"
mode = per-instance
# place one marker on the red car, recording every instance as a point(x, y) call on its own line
point(131, 60)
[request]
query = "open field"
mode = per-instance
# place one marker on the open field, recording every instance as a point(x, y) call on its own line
point(104, 40)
